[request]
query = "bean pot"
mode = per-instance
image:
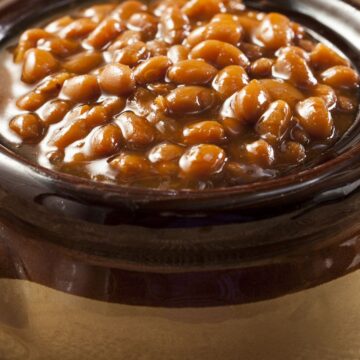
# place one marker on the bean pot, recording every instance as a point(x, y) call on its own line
point(254, 272)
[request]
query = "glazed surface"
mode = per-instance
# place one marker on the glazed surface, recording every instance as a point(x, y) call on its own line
point(175, 95)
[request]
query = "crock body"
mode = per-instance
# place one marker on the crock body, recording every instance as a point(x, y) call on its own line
point(288, 300)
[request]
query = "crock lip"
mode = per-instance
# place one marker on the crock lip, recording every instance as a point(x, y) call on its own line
point(260, 190)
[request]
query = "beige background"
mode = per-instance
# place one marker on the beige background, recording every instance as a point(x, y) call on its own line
point(319, 324)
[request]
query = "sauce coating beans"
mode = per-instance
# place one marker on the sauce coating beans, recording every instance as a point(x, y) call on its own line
point(178, 94)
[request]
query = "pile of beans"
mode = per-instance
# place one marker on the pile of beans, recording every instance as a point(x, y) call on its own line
point(180, 94)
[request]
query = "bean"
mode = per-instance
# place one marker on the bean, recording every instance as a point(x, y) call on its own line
point(59, 47)
point(203, 9)
point(299, 31)
point(327, 93)
point(274, 123)
point(113, 105)
point(169, 128)
point(315, 117)
point(226, 31)
point(55, 157)
point(130, 165)
point(142, 102)
point(29, 40)
point(165, 152)
point(77, 112)
point(31, 101)
point(145, 23)
point(157, 47)
point(340, 77)
point(262, 68)
point(54, 111)
point(97, 13)
point(249, 25)
point(83, 63)
point(219, 54)
point(322, 57)
point(57, 25)
point(202, 161)
point(205, 132)
point(104, 33)
point(105, 141)
point(192, 72)
point(158, 7)
point(52, 86)
point(131, 55)
point(234, 5)
point(275, 31)
point(251, 102)
point(188, 100)
point(174, 26)
point(128, 8)
point(95, 116)
point(127, 38)
point(136, 130)
point(260, 153)
point(293, 152)
point(37, 65)
point(78, 29)
point(117, 79)
point(225, 18)
point(232, 127)
point(229, 80)
point(152, 70)
point(292, 67)
point(78, 124)
point(295, 50)
point(280, 90)
point(27, 126)
point(82, 88)
point(252, 52)
point(177, 53)
point(307, 45)
point(195, 37)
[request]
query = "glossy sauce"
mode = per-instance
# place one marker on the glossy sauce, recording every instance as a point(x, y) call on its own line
point(186, 94)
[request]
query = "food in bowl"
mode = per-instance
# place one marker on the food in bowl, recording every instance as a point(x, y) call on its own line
point(195, 94)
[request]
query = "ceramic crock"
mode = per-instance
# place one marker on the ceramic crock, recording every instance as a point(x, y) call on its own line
point(257, 272)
